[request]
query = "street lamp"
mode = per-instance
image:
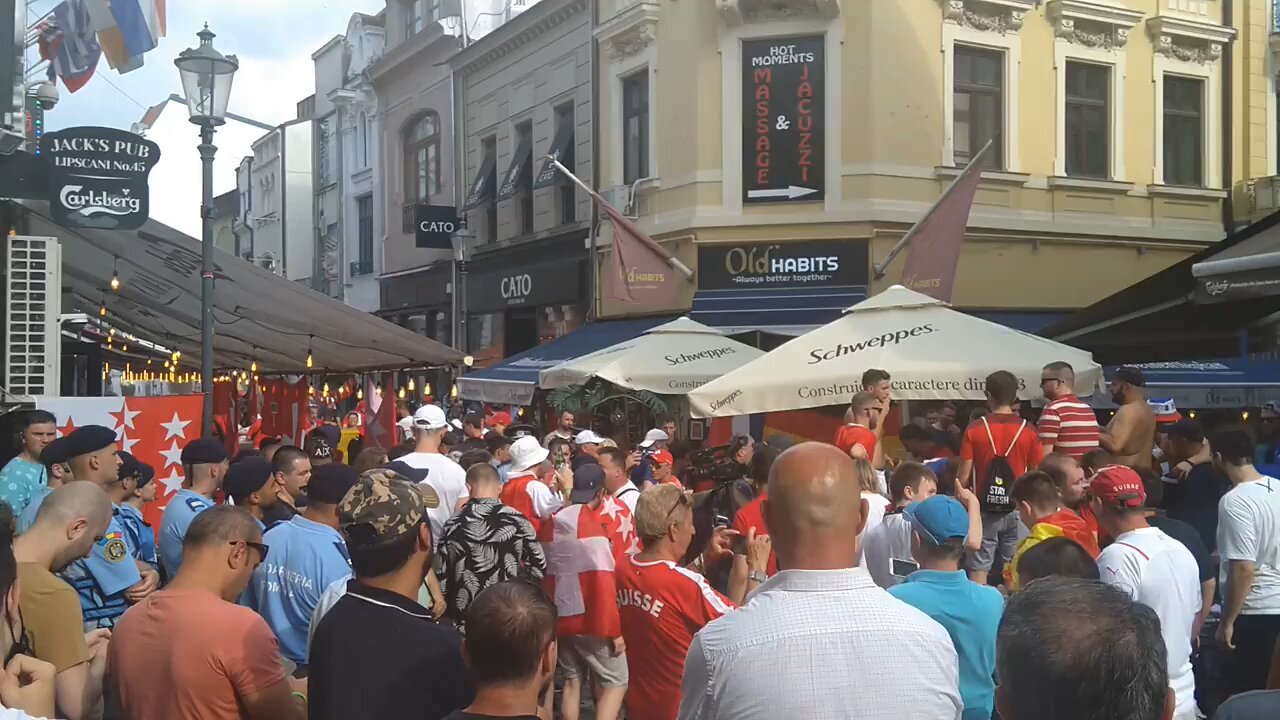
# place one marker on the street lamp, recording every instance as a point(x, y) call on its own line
point(206, 83)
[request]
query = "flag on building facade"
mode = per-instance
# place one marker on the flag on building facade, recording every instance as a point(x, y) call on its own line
point(127, 29)
point(70, 45)
point(936, 239)
point(583, 544)
point(640, 270)
point(154, 429)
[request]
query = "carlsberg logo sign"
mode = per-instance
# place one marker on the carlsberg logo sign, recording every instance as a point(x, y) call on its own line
point(89, 202)
point(98, 177)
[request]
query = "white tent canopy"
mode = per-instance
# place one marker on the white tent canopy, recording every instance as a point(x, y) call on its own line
point(671, 359)
point(931, 351)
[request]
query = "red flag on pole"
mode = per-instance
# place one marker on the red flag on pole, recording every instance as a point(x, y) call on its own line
point(380, 422)
point(936, 239)
point(641, 271)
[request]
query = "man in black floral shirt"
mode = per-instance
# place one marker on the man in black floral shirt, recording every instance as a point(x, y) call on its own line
point(485, 543)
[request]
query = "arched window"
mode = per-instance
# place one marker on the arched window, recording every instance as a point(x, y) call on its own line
point(421, 143)
point(362, 140)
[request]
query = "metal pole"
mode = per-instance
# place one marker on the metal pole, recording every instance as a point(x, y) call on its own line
point(207, 151)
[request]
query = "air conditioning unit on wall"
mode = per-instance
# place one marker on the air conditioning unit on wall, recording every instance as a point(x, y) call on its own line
point(33, 351)
point(620, 197)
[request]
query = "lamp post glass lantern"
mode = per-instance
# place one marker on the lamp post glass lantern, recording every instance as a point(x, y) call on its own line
point(206, 83)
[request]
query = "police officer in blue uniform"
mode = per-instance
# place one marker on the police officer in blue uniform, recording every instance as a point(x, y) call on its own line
point(109, 579)
point(251, 484)
point(204, 464)
point(134, 475)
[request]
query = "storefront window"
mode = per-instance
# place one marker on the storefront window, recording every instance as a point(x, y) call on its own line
point(416, 323)
point(484, 333)
point(558, 320)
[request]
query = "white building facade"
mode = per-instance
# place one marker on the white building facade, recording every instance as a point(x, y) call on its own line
point(276, 218)
point(355, 162)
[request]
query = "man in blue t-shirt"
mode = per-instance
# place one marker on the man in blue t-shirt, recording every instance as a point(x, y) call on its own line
point(940, 589)
point(24, 476)
point(56, 471)
point(204, 462)
point(110, 578)
point(306, 555)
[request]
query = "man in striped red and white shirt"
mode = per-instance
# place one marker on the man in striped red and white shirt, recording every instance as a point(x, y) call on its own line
point(1067, 425)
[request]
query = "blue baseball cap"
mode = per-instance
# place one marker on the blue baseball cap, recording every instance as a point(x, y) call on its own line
point(939, 519)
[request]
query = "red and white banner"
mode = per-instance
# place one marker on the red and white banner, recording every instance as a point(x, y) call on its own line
point(153, 429)
point(583, 545)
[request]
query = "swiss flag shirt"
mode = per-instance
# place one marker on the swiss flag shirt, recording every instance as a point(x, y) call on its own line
point(661, 606)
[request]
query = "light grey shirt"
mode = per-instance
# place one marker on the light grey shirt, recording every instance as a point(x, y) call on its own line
point(822, 645)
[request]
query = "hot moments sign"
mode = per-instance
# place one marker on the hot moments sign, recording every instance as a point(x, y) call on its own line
point(783, 131)
point(98, 177)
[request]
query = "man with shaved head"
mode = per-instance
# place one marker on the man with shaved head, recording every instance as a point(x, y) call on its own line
point(878, 657)
point(70, 521)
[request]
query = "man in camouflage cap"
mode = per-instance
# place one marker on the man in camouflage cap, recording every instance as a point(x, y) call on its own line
point(378, 634)
point(383, 507)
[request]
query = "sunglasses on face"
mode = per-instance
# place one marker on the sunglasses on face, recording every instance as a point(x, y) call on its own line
point(1046, 381)
point(260, 547)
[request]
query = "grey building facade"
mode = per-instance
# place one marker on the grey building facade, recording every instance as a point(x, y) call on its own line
point(524, 92)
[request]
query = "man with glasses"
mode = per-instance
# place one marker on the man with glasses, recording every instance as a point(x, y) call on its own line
point(310, 554)
point(1067, 425)
point(189, 651)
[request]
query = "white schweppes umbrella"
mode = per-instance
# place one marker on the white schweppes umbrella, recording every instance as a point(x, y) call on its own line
point(671, 359)
point(931, 351)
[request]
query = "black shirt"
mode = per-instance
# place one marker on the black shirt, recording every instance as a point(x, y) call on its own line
point(278, 513)
point(379, 656)
point(1194, 500)
point(1188, 536)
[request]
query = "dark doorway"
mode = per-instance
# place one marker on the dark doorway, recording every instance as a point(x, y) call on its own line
point(521, 331)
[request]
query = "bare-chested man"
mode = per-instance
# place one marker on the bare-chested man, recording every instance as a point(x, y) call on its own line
point(1131, 433)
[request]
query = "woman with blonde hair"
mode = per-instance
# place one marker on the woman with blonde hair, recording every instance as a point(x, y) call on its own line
point(869, 484)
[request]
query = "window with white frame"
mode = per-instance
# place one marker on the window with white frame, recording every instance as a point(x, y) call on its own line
point(1088, 119)
point(635, 126)
point(1183, 150)
point(978, 104)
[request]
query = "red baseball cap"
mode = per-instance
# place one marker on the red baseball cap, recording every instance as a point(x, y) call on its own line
point(663, 457)
point(1118, 485)
point(499, 418)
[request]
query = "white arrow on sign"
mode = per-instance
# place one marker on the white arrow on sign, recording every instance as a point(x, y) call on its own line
point(790, 193)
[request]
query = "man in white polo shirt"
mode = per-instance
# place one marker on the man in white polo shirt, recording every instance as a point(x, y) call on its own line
point(1249, 546)
point(1154, 569)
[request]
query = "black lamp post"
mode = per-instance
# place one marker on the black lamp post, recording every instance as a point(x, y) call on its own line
point(206, 83)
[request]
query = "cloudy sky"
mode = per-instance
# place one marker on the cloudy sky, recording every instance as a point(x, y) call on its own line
point(273, 39)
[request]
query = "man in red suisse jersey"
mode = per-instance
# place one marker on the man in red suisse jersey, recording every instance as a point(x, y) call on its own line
point(662, 605)
point(858, 436)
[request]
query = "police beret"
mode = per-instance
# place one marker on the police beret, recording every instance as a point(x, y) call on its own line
point(246, 477)
point(130, 466)
point(203, 451)
point(89, 439)
point(330, 483)
point(55, 453)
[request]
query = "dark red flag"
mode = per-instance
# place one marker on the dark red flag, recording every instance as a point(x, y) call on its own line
point(640, 269)
point(935, 241)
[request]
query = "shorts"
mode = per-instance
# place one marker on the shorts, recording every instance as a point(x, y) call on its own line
point(999, 530)
point(582, 654)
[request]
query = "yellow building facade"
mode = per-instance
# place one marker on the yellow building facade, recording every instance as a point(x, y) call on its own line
point(819, 131)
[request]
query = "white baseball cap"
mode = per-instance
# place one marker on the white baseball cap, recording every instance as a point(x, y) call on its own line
point(588, 437)
point(653, 436)
point(430, 417)
point(526, 453)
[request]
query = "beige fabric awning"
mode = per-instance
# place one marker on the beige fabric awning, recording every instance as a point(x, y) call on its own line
point(258, 315)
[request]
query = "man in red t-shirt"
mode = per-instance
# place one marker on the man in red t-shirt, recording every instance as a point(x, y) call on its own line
point(662, 605)
point(1000, 433)
point(858, 436)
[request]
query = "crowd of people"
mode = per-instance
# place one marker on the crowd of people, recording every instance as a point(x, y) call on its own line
point(1013, 568)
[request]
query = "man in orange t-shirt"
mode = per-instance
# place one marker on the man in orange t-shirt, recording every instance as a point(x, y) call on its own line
point(858, 437)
